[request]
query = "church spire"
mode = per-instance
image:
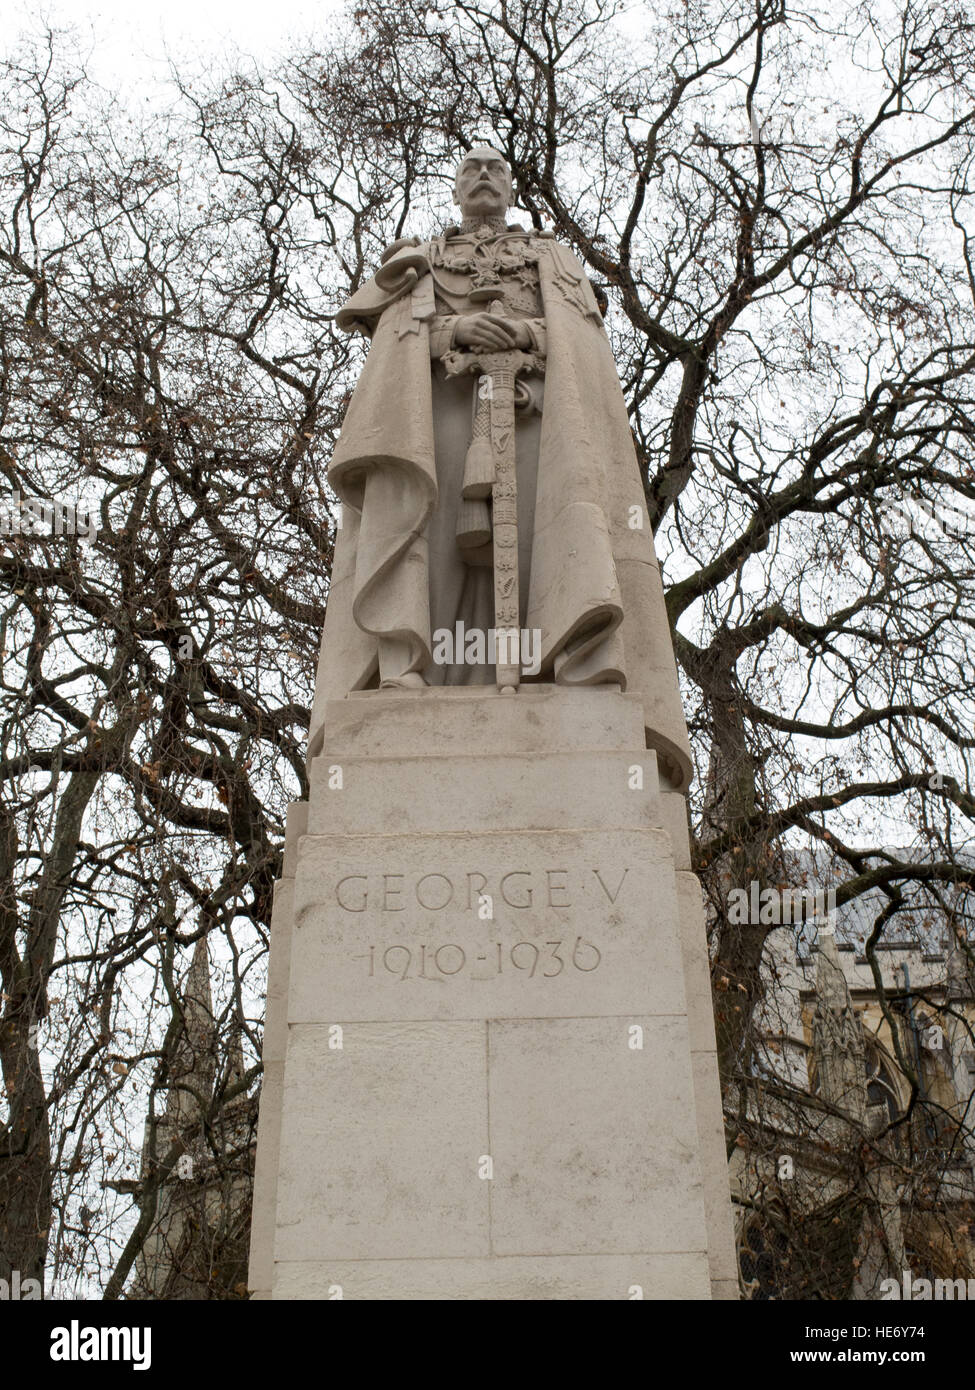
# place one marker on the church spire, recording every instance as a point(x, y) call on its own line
point(192, 1071)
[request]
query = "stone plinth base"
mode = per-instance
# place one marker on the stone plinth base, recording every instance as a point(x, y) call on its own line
point(489, 1054)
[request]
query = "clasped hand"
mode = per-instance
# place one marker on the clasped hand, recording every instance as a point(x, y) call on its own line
point(492, 332)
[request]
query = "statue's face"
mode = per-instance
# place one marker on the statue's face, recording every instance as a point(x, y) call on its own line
point(483, 187)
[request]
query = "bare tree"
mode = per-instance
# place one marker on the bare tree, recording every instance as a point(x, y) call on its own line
point(776, 207)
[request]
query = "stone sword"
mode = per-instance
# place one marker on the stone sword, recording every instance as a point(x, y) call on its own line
point(499, 370)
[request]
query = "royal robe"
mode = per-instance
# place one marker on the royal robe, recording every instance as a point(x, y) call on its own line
point(590, 582)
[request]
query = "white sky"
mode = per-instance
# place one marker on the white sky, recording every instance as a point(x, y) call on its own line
point(129, 39)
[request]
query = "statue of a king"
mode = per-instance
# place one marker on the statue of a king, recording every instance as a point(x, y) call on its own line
point(488, 477)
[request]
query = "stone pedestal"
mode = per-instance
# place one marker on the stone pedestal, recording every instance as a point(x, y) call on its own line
point(489, 1053)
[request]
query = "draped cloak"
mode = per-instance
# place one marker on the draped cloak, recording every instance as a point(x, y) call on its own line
point(594, 594)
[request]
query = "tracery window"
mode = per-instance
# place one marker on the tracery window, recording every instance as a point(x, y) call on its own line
point(881, 1089)
point(763, 1258)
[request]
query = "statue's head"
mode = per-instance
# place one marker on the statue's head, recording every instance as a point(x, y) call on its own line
point(483, 185)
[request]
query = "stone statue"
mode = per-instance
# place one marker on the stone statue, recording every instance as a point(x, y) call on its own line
point(489, 883)
point(489, 481)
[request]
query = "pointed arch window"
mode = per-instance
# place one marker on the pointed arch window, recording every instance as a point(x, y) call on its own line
point(881, 1089)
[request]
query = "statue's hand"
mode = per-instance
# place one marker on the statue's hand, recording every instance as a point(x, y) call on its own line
point(488, 331)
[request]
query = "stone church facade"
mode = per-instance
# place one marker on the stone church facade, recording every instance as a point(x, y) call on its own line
point(854, 1159)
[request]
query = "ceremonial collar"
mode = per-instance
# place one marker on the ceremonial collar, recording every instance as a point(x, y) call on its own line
point(482, 227)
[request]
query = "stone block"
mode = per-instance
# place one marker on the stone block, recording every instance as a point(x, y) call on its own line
point(582, 923)
point(381, 1142)
point(593, 1140)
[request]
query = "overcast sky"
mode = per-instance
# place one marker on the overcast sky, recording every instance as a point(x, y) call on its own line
point(129, 39)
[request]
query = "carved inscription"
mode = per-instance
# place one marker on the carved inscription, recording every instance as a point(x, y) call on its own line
point(519, 889)
point(544, 960)
point(463, 905)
